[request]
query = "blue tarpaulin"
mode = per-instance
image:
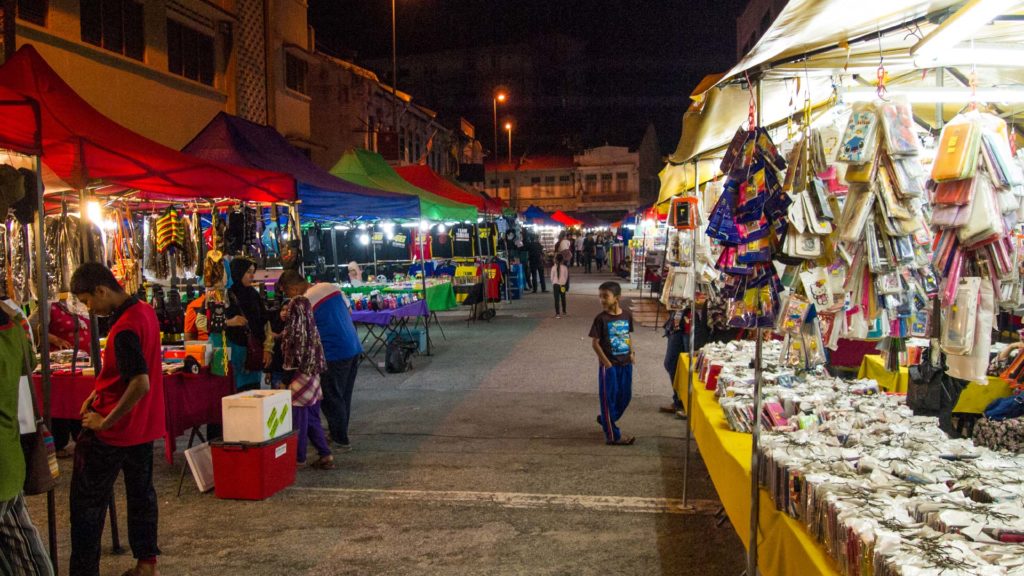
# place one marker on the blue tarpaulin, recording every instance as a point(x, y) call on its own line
point(536, 216)
point(324, 196)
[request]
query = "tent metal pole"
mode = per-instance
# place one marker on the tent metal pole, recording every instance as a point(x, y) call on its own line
point(423, 275)
point(755, 459)
point(692, 361)
point(664, 261)
point(43, 303)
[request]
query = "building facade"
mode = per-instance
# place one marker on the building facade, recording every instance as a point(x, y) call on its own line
point(605, 180)
point(352, 108)
point(164, 68)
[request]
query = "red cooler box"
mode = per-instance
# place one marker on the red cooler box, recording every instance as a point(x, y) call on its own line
point(253, 471)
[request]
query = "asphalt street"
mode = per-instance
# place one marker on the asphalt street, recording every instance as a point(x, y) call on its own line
point(484, 459)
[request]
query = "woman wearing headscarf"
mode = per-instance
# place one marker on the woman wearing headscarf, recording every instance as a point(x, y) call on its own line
point(251, 341)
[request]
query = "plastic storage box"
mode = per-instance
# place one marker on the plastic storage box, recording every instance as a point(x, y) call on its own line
point(256, 415)
point(253, 471)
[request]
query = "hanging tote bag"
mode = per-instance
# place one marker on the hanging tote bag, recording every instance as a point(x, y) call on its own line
point(41, 470)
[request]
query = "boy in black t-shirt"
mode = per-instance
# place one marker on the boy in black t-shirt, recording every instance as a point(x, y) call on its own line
point(613, 344)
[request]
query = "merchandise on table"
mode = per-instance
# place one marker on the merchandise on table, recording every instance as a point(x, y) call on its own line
point(882, 490)
point(377, 300)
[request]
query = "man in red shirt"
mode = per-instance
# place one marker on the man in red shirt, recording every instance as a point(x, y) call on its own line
point(121, 419)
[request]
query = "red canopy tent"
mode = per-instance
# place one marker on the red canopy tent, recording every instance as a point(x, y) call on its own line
point(424, 177)
point(19, 129)
point(83, 147)
point(565, 219)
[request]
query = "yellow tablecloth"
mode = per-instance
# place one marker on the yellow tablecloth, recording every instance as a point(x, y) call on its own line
point(973, 400)
point(784, 546)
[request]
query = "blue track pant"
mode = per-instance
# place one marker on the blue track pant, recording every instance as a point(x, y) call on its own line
point(616, 390)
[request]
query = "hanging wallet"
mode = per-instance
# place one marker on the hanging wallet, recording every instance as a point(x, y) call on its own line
point(956, 157)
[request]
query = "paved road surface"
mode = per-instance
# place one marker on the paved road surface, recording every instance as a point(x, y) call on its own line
point(485, 459)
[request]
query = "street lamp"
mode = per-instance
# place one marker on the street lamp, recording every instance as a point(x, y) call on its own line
point(499, 96)
point(513, 201)
point(508, 128)
point(394, 69)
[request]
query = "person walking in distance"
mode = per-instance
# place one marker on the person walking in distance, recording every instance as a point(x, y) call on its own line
point(342, 349)
point(588, 253)
point(564, 247)
point(560, 284)
point(537, 263)
point(121, 418)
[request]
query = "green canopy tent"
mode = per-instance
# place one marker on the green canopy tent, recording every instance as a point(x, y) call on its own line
point(369, 169)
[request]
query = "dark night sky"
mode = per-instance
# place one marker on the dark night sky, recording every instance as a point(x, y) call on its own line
point(673, 43)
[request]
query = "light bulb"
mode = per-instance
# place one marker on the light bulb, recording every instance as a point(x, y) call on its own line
point(93, 212)
point(364, 239)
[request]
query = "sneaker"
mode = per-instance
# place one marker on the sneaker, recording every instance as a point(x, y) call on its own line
point(624, 441)
point(342, 447)
point(557, 316)
point(680, 414)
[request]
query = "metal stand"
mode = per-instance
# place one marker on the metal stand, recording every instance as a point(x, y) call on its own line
point(664, 260)
point(693, 361)
point(44, 344)
point(185, 466)
point(755, 459)
point(423, 275)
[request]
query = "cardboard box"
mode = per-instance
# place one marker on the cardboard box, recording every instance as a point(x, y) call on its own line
point(257, 415)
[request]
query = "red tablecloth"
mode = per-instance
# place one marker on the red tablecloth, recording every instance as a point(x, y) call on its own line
point(189, 401)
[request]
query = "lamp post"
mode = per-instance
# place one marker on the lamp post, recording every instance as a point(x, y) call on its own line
point(508, 128)
point(394, 69)
point(499, 96)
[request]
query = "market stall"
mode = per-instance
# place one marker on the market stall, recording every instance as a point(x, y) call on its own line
point(884, 199)
point(232, 140)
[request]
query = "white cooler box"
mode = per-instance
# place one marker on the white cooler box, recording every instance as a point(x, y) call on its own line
point(257, 415)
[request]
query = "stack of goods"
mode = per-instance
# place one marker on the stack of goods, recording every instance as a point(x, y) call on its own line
point(886, 492)
point(977, 186)
point(1002, 428)
point(790, 401)
point(748, 220)
point(884, 238)
point(375, 300)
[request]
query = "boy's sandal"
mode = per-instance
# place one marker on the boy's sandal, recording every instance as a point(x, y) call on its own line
point(325, 463)
point(627, 441)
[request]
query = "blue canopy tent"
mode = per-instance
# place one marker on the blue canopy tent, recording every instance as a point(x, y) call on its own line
point(323, 196)
point(536, 216)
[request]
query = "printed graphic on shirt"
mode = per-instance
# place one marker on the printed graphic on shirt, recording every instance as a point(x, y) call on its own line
point(618, 336)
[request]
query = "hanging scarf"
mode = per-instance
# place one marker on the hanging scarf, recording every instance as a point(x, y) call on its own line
point(300, 343)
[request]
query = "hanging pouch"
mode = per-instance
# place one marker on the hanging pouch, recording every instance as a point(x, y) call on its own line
point(861, 136)
point(959, 321)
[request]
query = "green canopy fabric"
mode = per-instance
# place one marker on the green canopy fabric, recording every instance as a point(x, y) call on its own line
point(369, 169)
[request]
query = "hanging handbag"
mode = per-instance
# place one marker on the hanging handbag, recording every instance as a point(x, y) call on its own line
point(41, 470)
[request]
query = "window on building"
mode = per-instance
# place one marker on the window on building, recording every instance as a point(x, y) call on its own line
point(534, 181)
point(33, 11)
point(606, 183)
point(295, 71)
point(116, 25)
point(622, 182)
point(549, 183)
point(190, 52)
point(564, 179)
point(590, 183)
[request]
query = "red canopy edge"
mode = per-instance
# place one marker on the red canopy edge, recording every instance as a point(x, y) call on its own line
point(563, 218)
point(83, 146)
point(424, 177)
point(19, 129)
